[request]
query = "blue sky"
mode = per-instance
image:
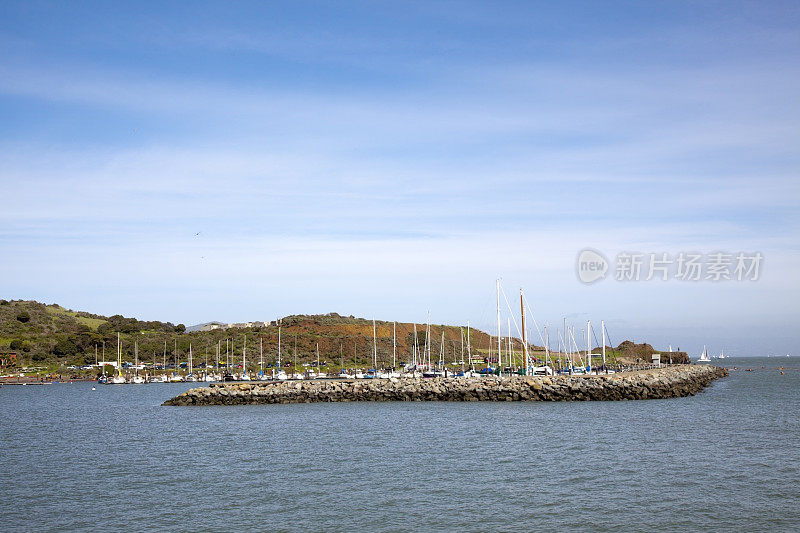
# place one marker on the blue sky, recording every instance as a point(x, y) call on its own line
point(386, 159)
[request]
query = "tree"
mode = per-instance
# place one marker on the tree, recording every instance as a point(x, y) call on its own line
point(19, 344)
point(65, 347)
point(180, 328)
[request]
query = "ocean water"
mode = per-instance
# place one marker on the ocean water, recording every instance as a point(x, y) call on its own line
point(114, 459)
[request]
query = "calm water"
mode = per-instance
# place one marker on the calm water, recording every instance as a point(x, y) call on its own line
point(110, 459)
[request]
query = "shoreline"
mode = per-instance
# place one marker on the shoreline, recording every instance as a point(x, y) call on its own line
point(669, 382)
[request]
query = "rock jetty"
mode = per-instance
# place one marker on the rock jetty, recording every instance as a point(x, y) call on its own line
point(669, 382)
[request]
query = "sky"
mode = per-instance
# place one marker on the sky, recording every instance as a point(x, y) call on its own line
point(232, 161)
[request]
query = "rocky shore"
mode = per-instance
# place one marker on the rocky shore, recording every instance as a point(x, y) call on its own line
point(670, 382)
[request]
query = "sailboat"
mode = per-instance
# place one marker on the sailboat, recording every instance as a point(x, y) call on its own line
point(245, 376)
point(280, 373)
point(119, 379)
point(722, 355)
point(704, 358)
point(190, 376)
point(136, 377)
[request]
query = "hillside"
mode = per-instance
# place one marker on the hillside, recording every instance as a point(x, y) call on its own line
point(51, 336)
point(42, 334)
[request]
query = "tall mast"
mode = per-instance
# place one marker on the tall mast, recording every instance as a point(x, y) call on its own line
point(589, 345)
point(461, 330)
point(244, 356)
point(394, 345)
point(524, 342)
point(165, 355)
point(190, 358)
point(510, 352)
point(441, 351)
point(415, 346)
point(261, 355)
point(499, 342)
point(374, 348)
point(546, 346)
point(317, 357)
point(119, 357)
point(603, 327)
point(279, 345)
point(427, 341)
point(469, 349)
point(565, 345)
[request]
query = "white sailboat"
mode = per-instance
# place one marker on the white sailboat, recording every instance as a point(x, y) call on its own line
point(136, 378)
point(280, 373)
point(704, 358)
point(245, 376)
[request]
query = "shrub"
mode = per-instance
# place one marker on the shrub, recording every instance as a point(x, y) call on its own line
point(23, 316)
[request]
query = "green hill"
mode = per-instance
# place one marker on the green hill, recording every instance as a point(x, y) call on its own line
point(52, 338)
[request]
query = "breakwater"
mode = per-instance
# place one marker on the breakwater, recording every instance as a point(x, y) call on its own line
point(670, 382)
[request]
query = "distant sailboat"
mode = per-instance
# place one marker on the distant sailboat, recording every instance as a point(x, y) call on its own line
point(280, 373)
point(119, 378)
point(722, 355)
point(704, 358)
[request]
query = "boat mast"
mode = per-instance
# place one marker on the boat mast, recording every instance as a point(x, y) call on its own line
point(509, 352)
point(603, 327)
point(190, 359)
point(244, 356)
point(442, 355)
point(394, 345)
point(524, 341)
point(546, 346)
point(119, 357)
point(469, 350)
point(499, 345)
point(374, 348)
point(461, 330)
point(427, 342)
point(279, 344)
point(261, 356)
point(588, 345)
point(415, 347)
